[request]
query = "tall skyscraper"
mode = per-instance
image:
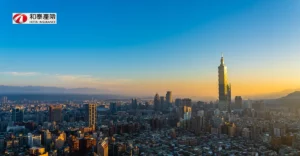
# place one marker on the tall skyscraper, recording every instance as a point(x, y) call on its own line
point(17, 114)
point(169, 99)
point(91, 115)
point(4, 100)
point(55, 113)
point(238, 102)
point(229, 97)
point(162, 102)
point(156, 102)
point(134, 104)
point(224, 87)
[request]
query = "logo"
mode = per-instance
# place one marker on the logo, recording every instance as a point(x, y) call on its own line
point(34, 18)
point(20, 18)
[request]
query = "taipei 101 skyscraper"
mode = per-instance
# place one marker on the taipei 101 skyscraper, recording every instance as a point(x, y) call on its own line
point(224, 88)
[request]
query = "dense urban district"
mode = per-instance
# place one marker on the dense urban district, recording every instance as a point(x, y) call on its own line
point(160, 126)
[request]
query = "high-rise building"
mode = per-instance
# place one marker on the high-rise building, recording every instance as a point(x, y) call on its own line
point(87, 143)
point(156, 102)
point(47, 138)
point(91, 115)
point(4, 100)
point(113, 107)
point(231, 130)
point(229, 97)
point(187, 112)
point(238, 102)
point(134, 104)
point(200, 113)
point(197, 124)
point(55, 113)
point(178, 102)
point(186, 115)
point(258, 106)
point(186, 102)
point(41, 151)
point(59, 140)
point(223, 86)
point(169, 99)
point(162, 102)
point(17, 114)
point(247, 104)
point(73, 143)
point(102, 147)
point(2, 142)
point(34, 140)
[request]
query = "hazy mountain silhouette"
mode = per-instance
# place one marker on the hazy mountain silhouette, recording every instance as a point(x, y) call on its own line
point(54, 90)
point(289, 97)
point(292, 100)
point(274, 95)
point(294, 95)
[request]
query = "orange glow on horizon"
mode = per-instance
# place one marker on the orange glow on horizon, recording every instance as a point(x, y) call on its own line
point(209, 88)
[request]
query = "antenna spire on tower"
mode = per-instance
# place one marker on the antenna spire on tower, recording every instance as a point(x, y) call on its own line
point(222, 59)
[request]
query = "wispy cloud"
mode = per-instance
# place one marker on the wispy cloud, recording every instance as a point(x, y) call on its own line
point(72, 81)
point(20, 73)
point(76, 79)
point(91, 80)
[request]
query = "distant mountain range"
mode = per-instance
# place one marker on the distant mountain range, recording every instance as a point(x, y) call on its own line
point(295, 95)
point(292, 100)
point(274, 95)
point(56, 93)
point(287, 97)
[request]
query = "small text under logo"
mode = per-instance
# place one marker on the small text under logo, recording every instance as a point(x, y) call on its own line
point(34, 18)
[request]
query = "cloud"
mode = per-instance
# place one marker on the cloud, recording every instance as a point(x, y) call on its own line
point(72, 81)
point(89, 80)
point(20, 73)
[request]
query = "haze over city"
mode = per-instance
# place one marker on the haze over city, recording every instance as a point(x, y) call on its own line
point(171, 46)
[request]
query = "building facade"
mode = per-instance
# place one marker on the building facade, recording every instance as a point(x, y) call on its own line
point(134, 103)
point(55, 113)
point(17, 114)
point(162, 102)
point(186, 102)
point(156, 102)
point(238, 102)
point(169, 99)
point(102, 147)
point(91, 115)
point(224, 87)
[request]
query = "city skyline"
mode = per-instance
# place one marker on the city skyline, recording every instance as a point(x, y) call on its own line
point(159, 77)
point(172, 47)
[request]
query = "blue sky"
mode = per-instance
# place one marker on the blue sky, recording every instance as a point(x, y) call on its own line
point(107, 44)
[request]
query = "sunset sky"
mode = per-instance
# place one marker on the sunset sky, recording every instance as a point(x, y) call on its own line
point(140, 47)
